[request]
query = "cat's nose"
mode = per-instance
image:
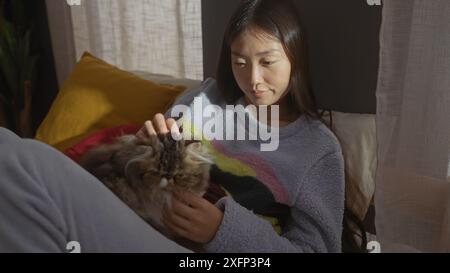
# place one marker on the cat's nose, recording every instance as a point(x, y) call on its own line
point(163, 183)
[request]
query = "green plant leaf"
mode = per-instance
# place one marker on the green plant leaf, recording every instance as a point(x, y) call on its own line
point(10, 37)
point(7, 66)
point(16, 63)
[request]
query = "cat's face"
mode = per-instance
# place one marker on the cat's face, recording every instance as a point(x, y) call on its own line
point(170, 165)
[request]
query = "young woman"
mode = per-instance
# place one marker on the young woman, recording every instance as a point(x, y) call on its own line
point(290, 199)
point(263, 63)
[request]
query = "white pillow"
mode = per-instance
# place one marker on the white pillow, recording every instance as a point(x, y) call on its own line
point(166, 79)
point(357, 136)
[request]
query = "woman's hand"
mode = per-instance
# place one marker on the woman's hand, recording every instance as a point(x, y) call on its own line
point(192, 217)
point(158, 126)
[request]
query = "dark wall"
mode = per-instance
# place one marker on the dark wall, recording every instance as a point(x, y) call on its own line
point(343, 48)
point(215, 15)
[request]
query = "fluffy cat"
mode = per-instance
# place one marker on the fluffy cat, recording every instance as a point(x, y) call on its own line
point(145, 173)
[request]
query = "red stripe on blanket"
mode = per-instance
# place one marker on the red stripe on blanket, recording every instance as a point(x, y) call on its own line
point(101, 137)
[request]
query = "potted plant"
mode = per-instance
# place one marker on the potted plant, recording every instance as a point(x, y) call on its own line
point(17, 68)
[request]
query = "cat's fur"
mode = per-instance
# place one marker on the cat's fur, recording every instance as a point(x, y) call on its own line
point(135, 169)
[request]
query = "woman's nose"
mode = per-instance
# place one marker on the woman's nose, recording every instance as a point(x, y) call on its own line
point(255, 76)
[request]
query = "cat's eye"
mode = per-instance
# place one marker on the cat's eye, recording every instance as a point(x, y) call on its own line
point(180, 177)
point(153, 172)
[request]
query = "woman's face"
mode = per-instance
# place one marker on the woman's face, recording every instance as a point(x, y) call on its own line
point(261, 68)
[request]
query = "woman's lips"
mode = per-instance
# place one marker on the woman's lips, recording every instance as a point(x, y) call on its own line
point(258, 93)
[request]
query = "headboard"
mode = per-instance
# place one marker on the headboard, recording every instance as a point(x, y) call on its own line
point(343, 48)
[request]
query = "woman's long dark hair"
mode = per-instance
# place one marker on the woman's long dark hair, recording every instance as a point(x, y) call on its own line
point(280, 19)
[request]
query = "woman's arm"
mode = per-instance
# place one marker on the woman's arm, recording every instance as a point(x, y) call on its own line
point(315, 224)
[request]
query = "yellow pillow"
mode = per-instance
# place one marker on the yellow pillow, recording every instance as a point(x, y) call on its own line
point(98, 95)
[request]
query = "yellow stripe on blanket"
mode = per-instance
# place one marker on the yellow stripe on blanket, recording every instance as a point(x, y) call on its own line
point(274, 221)
point(223, 162)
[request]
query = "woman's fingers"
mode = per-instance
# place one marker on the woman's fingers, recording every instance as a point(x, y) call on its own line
point(150, 130)
point(173, 128)
point(146, 130)
point(181, 208)
point(176, 223)
point(190, 198)
point(175, 228)
point(160, 125)
point(172, 216)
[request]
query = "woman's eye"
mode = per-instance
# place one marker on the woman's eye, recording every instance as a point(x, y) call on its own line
point(239, 64)
point(268, 62)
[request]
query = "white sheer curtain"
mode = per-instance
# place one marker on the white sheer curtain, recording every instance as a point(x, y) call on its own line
point(412, 197)
point(162, 37)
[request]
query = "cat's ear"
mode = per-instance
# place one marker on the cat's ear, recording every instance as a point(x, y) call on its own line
point(134, 171)
point(136, 167)
point(198, 152)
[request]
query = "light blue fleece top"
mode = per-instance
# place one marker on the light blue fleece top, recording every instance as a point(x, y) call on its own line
point(305, 172)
